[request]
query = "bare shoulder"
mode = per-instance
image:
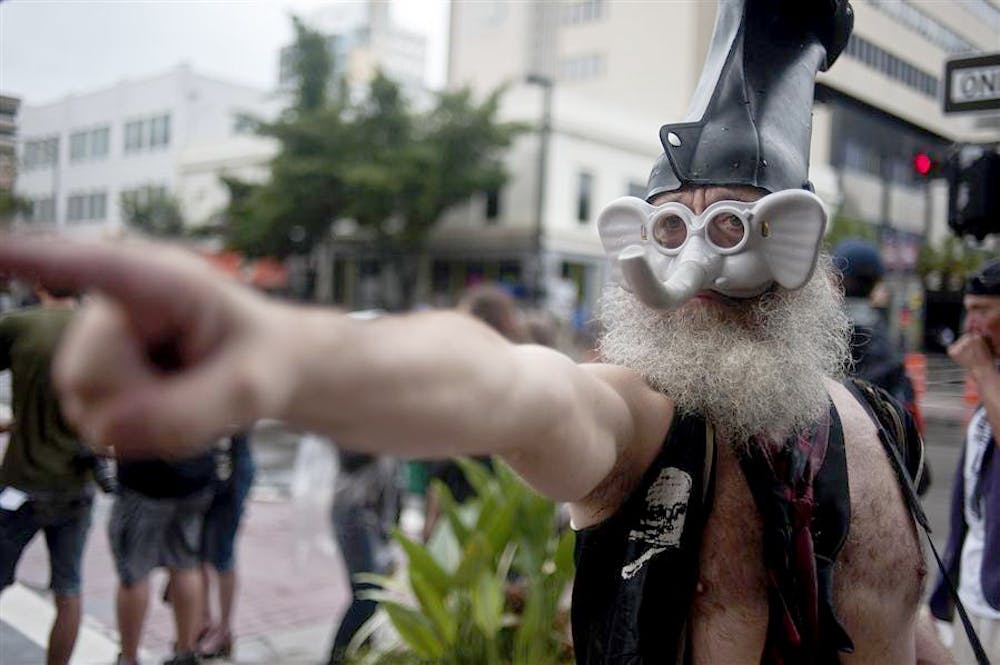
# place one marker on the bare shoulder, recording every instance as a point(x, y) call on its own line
point(650, 413)
point(881, 569)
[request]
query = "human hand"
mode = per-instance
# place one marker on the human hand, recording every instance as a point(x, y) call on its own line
point(972, 352)
point(168, 357)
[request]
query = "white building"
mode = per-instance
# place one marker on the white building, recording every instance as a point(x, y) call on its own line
point(618, 69)
point(172, 133)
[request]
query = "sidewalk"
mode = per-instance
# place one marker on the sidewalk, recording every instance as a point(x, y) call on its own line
point(293, 587)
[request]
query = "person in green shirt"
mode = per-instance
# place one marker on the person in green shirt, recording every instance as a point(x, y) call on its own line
point(45, 478)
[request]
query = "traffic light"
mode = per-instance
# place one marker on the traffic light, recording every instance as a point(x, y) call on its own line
point(974, 191)
point(925, 165)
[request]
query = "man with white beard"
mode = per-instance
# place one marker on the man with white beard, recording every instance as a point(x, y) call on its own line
point(715, 466)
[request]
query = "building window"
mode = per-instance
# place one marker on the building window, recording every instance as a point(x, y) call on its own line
point(75, 207)
point(41, 153)
point(581, 11)
point(860, 157)
point(100, 142)
point(244, 123)
point(985, 10)
point(86, 207)
point(77, 146)
point(98, 205)
point(147, 133)
point(492, 204)
point(924, 25)
point(584, 189)
point(143, 195)
point(89, 144)
point(133, 136)
point(159, 131)
point(581, 68)
point(893, 67)
point(43, 210)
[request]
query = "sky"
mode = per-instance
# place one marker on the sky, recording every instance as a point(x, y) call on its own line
point(51, 48)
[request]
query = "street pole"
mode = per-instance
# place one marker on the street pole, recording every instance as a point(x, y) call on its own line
point(544, 133)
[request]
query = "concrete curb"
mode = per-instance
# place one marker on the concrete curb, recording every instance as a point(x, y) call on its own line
point(32, 614)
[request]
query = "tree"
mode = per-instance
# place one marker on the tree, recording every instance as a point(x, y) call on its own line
point(373, 159)
point(157, 215)
point(945, 268)
point(12, 205)
point(843, 227)
point(423, 164)
point(291, 213)
point(313, 67)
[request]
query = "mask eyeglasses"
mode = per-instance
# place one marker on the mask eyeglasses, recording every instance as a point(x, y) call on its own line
point(725, 226)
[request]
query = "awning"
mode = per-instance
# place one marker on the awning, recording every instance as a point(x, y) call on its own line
point(265, 273)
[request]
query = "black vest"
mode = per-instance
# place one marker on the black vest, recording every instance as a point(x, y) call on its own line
point(637, 571)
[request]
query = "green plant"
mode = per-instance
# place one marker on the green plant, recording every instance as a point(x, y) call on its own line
point(155, 214)
point(487, 587)
point(947, 266)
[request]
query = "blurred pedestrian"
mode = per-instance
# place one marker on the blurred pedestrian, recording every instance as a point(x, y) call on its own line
point(493, 305)
point(874, 357)
point(234, 473)
point(157, 521)
point(972, 557)
point(45, 479)
point(364, 510)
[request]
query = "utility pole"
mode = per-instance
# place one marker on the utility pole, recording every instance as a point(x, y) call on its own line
point(537, 271)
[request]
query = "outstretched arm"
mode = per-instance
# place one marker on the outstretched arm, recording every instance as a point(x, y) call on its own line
point(170, 356)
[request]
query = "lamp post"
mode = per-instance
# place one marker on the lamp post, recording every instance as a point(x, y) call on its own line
point(544, 132)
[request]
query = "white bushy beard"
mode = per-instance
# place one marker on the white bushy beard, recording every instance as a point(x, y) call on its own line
point(754, 368)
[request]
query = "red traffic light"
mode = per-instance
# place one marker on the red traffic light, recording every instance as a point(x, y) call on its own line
point(922, 163)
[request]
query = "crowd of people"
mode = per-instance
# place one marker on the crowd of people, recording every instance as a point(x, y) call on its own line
point(178, 514)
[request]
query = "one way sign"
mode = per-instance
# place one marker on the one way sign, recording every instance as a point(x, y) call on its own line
point(972, 83)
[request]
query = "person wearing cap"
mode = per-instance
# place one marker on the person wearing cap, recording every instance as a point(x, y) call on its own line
point(874, 357)
point(732, 500)
point(972, 556)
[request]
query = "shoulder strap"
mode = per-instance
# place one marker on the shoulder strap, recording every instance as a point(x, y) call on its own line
point(875, 401)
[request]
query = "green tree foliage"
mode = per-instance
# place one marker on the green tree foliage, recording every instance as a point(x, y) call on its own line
point(371, 157)
point(946, 267)
point(843, 227)
point(487, 587)
point(313, 67)
point(12, 205)
point(156, 215)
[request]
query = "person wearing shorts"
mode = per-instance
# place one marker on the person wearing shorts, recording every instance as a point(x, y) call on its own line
point(235, 474)
point(157, 521)
point(46, 479)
